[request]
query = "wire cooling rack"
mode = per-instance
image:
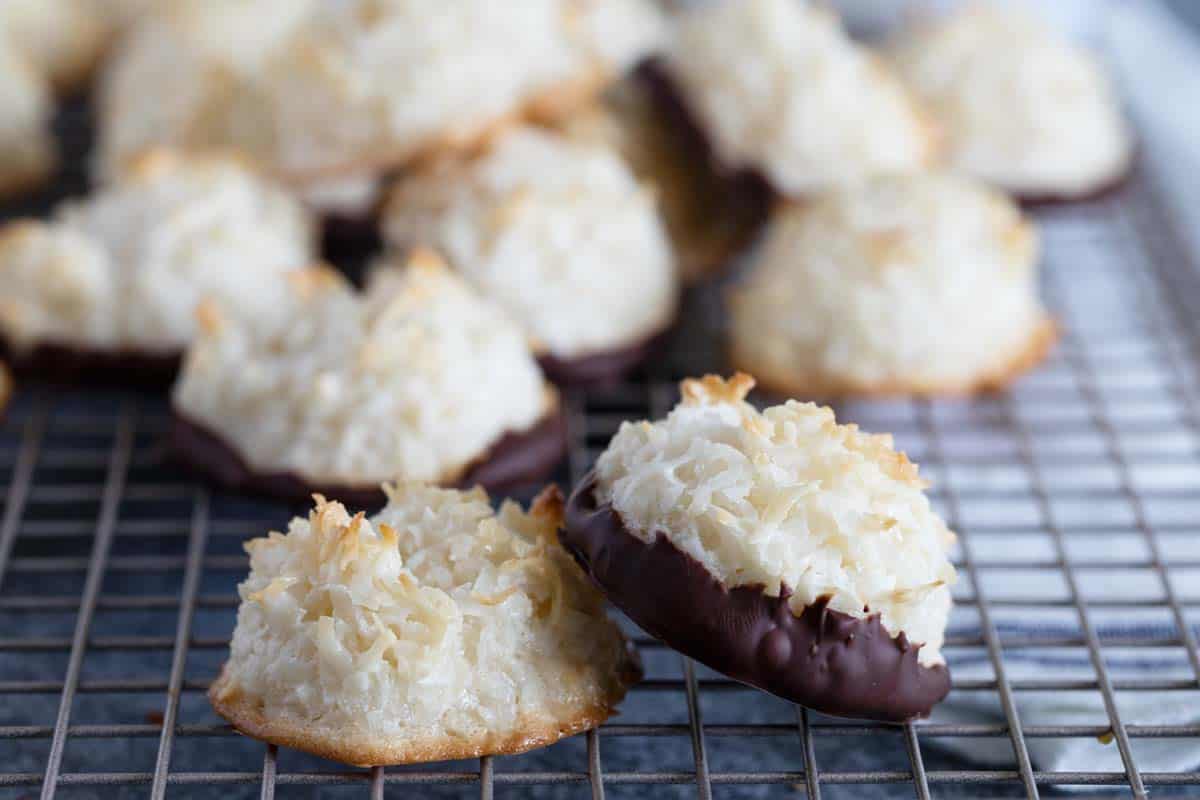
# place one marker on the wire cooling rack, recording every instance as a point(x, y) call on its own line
point(118, 575)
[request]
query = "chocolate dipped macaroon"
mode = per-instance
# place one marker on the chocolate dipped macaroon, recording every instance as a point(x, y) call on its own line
point(108, 288)
point(1020, 105)
point(333, 390)
point(920, 284)
point(780, 548)
point(558, 231)
point(779, 88)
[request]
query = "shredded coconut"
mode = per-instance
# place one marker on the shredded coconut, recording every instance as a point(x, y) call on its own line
point(413, 380)
point(922, 282)
point(1020, 106)
point(779, 87)
point(559, 232)
point(188, 76)
point(126, 267)
point(787, 497)
point(436, 619)
point(322, 87)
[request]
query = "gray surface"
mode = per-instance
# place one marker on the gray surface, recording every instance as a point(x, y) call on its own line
point(1188, 10)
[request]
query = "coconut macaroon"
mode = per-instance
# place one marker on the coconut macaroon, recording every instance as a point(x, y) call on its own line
point(116, 277)
point(1021, 107)
point(27, 151)
point(437, 629)
point(329, 94)
point(418, 378)
point(785, 550)
point(923, 284)
point(384, 83)
point(780, 89)
point(188, 76)
point(62, 39)
point(561, 234)
point(709, 215)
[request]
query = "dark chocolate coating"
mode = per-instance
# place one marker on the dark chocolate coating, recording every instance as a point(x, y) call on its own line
point(824, 659)
point(747, 193)
point(1108, 191)
point(68, 364)
point(349, 239)
point(598, 369)
point(514, 460)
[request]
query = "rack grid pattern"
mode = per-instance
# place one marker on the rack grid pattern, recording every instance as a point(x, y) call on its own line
point(117, 576)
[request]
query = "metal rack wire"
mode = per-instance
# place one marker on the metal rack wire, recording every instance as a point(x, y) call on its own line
point(117, 575)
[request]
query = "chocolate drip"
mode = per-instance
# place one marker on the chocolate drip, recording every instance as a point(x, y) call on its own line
point(822, 658)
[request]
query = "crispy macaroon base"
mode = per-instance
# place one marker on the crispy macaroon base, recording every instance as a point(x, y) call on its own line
point(824, 659)
point(363, 750)
point(513, 460)
point(831, 387)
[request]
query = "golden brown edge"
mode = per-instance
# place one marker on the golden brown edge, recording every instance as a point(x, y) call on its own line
point(1040, 343)
point(363, 751)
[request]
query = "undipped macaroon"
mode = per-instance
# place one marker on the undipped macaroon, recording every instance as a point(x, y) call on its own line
point(109, 286)
point(1019, 105)
point(780, 89)
point(335, 391)
point(920, 284)
point(437, 629)
point(780, 548)
point(560, 233)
